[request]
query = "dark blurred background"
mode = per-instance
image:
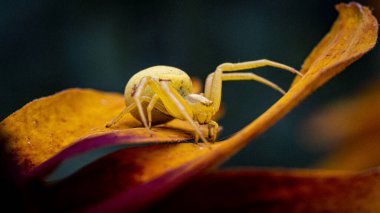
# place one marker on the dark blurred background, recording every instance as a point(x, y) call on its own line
point(48, 46)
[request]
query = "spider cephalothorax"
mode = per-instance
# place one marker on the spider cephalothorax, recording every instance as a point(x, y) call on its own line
point(165, 93)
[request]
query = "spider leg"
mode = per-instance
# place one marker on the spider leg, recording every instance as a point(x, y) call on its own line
point(121, 115)
point(213, 88)
point(125, 111)
point(213, 130)
point(177, 103)
point(137, 96)
point(196, 135)
point(241, 76)
point(230, 67)
point(150, 107)
point(174, 103)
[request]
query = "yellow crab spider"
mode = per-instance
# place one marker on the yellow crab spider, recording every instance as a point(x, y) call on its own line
point(165, 93)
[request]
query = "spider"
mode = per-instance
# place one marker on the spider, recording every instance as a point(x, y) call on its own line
point(165, 93)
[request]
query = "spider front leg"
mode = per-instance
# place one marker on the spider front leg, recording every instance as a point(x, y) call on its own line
point(196, 135)
point(213, 128)
point(137, 96)
point(174, 103)
point(149, 109)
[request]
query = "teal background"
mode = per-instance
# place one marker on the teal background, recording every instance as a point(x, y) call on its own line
point(49, 46)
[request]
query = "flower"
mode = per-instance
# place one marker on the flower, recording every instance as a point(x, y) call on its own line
point(146, 171)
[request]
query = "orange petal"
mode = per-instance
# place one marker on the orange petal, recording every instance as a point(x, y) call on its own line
point(276, 191)
point(42, 128)
point(145, 174)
